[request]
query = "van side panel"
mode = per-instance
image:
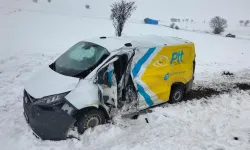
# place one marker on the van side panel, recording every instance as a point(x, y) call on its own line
point(157, 68)
point(170, 65)
point(157, 73)
point(187, 64)
point(182, 61)
point(141, 61)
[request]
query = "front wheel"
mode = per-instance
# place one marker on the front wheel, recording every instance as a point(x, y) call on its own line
point(176, 94)
point(90, 119)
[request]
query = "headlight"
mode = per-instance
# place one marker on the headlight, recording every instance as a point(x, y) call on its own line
point(53, 99)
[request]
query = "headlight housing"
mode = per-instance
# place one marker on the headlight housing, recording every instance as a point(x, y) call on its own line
point(52, 100)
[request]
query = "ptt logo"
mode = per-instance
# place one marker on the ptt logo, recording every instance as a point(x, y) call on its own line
point(177, 56)
point(162, 62)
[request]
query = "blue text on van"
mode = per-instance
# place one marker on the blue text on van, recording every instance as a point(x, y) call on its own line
point(177, 56)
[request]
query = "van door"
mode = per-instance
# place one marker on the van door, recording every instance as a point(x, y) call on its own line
point(128, 101)
point(107, 86)
point(149, 72)
point(125, 99)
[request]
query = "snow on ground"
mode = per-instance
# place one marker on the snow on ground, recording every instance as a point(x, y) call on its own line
point(31, 39)
point(242, 32)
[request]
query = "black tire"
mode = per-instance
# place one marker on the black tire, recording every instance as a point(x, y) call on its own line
point(176, 95)
point(90, 119)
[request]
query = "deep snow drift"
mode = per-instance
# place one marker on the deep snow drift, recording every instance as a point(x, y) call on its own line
point(32, 35)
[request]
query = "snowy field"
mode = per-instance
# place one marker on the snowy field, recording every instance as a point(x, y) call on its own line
point(33, 35)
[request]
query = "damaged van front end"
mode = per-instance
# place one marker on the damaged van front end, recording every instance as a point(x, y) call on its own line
point(52, 117)
point(48, 121)
point(56, 94)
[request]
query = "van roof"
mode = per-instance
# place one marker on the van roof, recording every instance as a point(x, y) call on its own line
point(114, 43)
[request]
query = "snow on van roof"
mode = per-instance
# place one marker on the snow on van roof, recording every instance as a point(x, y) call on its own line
point(114, 43)
point(110, 43)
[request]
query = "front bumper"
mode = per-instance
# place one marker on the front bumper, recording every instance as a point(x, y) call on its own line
point(49, 123)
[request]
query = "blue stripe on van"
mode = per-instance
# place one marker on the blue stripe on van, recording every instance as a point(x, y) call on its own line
point(145, 95)
point(110, 74)
point(141, 61)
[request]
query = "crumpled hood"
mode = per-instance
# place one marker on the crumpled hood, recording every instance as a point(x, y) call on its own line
point(48, 82)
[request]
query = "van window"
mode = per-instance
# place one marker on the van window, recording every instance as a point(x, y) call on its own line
point(79, 58)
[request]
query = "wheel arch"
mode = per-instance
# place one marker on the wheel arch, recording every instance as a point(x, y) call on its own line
point(175, 84)
point(81, 111)
point(172, 90)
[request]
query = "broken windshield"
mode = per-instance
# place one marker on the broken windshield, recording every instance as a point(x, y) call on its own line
point(79, 58)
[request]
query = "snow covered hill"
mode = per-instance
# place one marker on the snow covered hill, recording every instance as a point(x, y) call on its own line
point(32, 35)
